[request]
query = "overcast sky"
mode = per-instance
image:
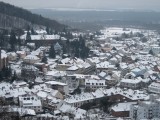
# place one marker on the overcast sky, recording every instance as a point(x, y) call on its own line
point(91, 4)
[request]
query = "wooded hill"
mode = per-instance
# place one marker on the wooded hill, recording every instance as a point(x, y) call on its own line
point(15, 17)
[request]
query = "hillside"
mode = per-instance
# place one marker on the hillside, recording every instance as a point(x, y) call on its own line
point(12, 16)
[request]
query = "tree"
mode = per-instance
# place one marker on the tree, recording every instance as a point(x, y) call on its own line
point(28, 36)
point(44, 59)
point(14, 76)
point(144, 39)
point(13, 40)
point(151, 52)
point(114, 48)
point(52, 53)
point(117, 65)
point(64, 30)
point(19, 42)
point(28, 28)
point(47, 30)
point(33, 32)
point(77, 91)
point(8, 72)
point(91, 37)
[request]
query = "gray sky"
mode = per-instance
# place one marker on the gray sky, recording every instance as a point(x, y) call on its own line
point(91, 4)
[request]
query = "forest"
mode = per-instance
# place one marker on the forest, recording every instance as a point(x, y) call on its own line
point(12, 16)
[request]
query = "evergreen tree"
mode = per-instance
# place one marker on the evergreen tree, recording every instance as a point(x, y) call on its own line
point(2, 39)
point(33, 32)
point(13, 40)
point(91, 37)
point(47, 30)
point(14, 76)
point(28, 28)
point(64, 30)
point(114, 48)
point(44, 59)
point(151, 52)
point(28, 36)
point(52, 53)
point(19, 42)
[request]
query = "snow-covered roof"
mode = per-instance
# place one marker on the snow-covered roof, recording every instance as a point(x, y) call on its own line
point(31, 57)
point(155, 85)
point(30, 101)
point(129, 93)
point(72, 68)
point(80, 97)
point(122, 106)
point(103, 65)
point(55, 83)
point(20, 52)
point(79, 113)
point(136, 81)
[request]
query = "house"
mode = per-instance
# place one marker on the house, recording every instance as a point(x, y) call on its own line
point(73, 82)
point(29, 72)
point(21, 54)
point(113, 78)
point(121, 109)
point(62, 87)
point(102, 75)
point(73, 112)
point(116, 94)
point(31, 59)
point(73, 70)
point(113, 60)
point(130, 83)
point(42, 39)
point(145, 110)
point(154, 87)
point(104, 66)
point(12, 56)
point(92, 84)
point(79, 100)
point(124, 69)
point(139, 71)
point(54, 93)
point(31, 102)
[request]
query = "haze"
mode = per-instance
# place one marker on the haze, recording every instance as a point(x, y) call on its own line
point(88, 4)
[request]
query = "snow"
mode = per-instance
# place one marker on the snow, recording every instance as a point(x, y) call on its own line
point(79, 113)
point(20, 52)
point(30, 101)
point(122, 106)
point(55, 83)
point(129, 93)
point(136, 81)
point(102, 74)
point(72, 68)
point(23, 111)
point(39, 80)
point(31, 57)
point(103, 65)
point(78, 98)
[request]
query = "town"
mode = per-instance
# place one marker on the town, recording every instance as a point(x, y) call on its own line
point(71, 75)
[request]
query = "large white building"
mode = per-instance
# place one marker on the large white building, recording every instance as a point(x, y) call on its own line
point(145, 110)
point(31, 102)
point(130, 83)
point(154, 87)
point(92, 84)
